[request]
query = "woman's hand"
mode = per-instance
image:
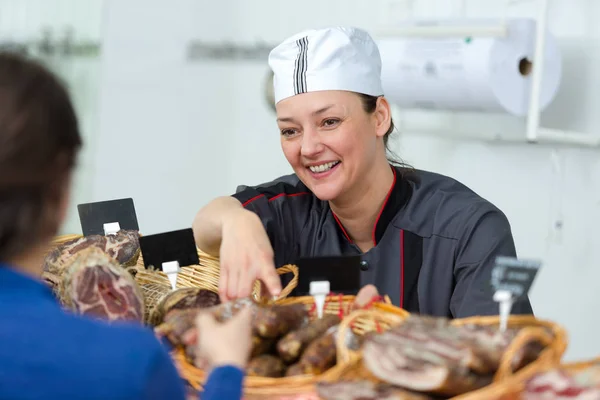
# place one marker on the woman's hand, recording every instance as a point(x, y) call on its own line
point(246, 255)
point(365, 296)
point(227, 343)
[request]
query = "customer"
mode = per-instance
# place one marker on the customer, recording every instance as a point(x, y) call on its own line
point(45, 352)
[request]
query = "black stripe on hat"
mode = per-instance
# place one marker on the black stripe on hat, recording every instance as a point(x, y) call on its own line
point(301, 66)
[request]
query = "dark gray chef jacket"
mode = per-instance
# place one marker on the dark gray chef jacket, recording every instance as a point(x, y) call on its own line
point(435, 241)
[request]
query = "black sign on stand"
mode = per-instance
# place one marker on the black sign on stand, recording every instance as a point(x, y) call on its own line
point(93, 216)
point(514, 275)
point(167, 247)
point(343, 274)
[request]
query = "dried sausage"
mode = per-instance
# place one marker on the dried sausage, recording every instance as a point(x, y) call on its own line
point(266, 365)
point(291, 346)
point(275, 321)
point(320, 355)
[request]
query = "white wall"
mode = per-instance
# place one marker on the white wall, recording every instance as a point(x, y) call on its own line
point(174, 134)
point(24, 20)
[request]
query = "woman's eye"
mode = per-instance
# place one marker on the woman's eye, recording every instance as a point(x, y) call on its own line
point(330, 122)
point(287, 132)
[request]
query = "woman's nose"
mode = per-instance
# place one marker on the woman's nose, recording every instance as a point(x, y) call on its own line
point(311, 143)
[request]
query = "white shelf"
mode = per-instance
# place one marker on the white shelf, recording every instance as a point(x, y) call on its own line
point(534, 133)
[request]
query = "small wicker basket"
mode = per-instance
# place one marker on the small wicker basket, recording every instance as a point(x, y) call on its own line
point(379, 316)
point(504, 379)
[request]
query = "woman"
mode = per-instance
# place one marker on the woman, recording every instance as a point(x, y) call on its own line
point(45, 352)
point(426, 240)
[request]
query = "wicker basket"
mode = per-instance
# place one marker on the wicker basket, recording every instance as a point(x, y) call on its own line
point(205, 275)
point(379, 316)
point(504, 380)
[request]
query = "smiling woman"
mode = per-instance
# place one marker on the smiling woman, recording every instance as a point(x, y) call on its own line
point(426, 240)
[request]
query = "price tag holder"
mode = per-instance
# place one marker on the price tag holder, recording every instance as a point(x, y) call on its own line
point(107, 217)
point(511, 280)
point(341, 273)
point(169, 251)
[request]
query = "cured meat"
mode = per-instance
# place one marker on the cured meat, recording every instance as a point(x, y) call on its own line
point(319, 356)
point(124, 247)
point(177, 326)
point(95, 285)
point(291, 346)
point(180, 324)
point(275, 321)
point(261, 346)
point(558, 384)
point(364, 390)
point(266, 365)
point(181, 299)
point(428, 354)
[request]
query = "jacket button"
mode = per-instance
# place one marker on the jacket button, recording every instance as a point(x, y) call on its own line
point(364, 265)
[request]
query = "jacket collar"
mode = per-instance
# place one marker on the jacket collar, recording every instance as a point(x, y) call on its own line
point(397, 197)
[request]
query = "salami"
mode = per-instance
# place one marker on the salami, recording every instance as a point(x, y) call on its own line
point(261, 346)
point(275, 321)
point(181, 299)
point(95, 285)
point(319, 356)
point(266, 365)
point(291, 346)
point(177, 326)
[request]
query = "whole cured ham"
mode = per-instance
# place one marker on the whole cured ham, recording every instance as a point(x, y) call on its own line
point(124, 247)
point(431, 355)
point(96, 285)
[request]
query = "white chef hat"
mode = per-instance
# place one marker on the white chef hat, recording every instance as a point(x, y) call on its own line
point(337, 58)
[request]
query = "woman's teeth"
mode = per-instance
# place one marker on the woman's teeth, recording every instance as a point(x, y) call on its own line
point(323, 167)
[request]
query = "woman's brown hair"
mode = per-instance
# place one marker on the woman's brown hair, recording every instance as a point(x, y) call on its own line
point(370, 105)
point(39, 142)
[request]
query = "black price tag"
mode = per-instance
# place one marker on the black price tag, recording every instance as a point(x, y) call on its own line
point(343, 274)
point(169, 246)
point(93, 216)
point(514, 275)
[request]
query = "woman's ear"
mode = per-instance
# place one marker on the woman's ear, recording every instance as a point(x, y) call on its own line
point(383, 116)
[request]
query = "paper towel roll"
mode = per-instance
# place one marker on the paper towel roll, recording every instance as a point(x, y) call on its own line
point(469, 74)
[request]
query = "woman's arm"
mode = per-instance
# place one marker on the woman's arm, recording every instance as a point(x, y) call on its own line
point(209, 221)
point(224, 228)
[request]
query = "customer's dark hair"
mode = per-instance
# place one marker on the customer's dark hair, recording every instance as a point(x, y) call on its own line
point(370, 105)
point(39, 142)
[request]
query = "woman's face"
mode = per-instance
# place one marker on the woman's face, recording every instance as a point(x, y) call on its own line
point(330, 141)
